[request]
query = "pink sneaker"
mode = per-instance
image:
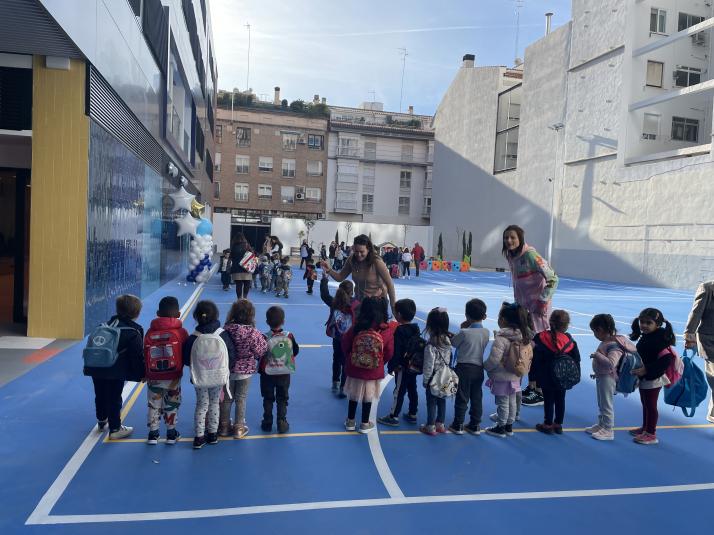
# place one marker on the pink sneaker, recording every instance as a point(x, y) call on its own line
point(646, 439)
point(428, 430)
point(440, 427)
point(637, 432)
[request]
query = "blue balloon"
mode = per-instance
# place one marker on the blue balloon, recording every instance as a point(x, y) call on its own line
point(190, 278)
point(205, 227)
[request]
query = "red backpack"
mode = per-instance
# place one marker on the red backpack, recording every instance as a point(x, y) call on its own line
point(162, 355)
point(367, 350)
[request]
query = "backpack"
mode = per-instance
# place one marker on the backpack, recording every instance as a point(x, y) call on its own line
point(102, 349)
point(162, 355)
point(564, 370)
point(675, 369)
point(518, 358)
point(444, 383)
point(394, 270)
point(414, 356)
point(367, 350)
point(209, 360)
point(690, 390)
point(630, 360)
point(279, 357)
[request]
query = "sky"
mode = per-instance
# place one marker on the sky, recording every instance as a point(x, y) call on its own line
point(349, 52)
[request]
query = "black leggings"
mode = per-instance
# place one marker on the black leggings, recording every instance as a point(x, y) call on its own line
point(352, 410)
point(553, 401)
point(242, 288)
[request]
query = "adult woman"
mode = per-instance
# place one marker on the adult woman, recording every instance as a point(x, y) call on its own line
point(699, 334)
point(303, 253)
point(369, 273)
point(242, 278)
point(534, 283)
point(276, 246)
point(418, 256)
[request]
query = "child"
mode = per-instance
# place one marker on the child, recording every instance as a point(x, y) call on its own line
point(275, 263)
point(367, 347)
point(342, 314)
point(275, 368)
point(504, 384)
point(265, 276)
point(655, 336)
point(406, 262)
point(437, 354)
point(129, 366)
point(548, 346)
point(310, 274)
point(605, 361)
point(250, 346)
point(470, 343)
point(284, 275)
point(225, 269)
point(207, 399)
point(404, 378)
point(164, 367)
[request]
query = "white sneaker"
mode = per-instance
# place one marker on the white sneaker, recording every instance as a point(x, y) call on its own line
point(603, 434)
point(593, 429)
point(120, 433)
point(494, 417)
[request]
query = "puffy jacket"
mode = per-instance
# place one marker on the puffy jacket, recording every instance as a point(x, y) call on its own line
point(608, 355)
point(437, 355)
point(250, 346)
point(544, 353)
point(130, 361)
point(386, 332)
point(207, 329)
point(494, 363)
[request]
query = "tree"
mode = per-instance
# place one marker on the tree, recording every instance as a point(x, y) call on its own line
point(440, 248)
point(348, 228)
point(404, 230)
point(470, 244)
point(463, 246)
point(309, 224)
point(297, 106)
point(284, 103)
point(337, 237)
point(370, 235)
point(301, 236)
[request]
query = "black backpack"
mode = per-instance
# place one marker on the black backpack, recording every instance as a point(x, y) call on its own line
point(414, 357)
point(564, 370)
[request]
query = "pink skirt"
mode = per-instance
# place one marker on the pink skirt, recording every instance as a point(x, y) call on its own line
point(362, 389)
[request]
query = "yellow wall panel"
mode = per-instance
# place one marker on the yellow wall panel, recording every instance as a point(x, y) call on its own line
point(58, 213)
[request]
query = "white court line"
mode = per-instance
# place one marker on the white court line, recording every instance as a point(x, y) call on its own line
point(375, 448)
point(375, 502)
point(60, 484)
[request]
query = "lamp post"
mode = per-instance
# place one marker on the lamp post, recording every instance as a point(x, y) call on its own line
point(557, 127)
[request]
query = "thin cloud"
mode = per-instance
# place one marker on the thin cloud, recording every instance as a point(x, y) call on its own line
point(399, 31)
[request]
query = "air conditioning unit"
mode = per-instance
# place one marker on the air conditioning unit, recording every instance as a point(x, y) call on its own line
point(300, 196)
point(265, 219)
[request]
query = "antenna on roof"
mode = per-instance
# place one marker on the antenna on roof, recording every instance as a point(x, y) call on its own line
point(403, 52)
point(518, 5)
point(373, 93)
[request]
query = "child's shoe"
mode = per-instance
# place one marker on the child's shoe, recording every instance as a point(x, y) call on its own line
point(199, 442)
point(603, 434)
point(335, 387)
point(531, 397)
point(350, 425)
point(153, 437)
point(266, 426)
point(496, 431)
point(411, 418)
point(428, 430)
point(283, 426)
point(172, 436)
point(494, 417)
point(366, 427)
point(593, 429)
point(120, 433)
point(636, 432)
point(558, 429)
point(473, 429)
point(211, 438)
point(239, 431)
point(224, 430)
point(440, 427)
point(457, 429)
point(101, 424)
point(508, 428)
point(388, 420)
point(285, 296)
point(646, 439)
point(545, 428)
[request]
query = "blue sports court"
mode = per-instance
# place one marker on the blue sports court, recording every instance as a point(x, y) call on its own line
point(58, 474)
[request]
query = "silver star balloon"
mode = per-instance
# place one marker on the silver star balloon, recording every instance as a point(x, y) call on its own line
point(187, 225)
point(182, 199)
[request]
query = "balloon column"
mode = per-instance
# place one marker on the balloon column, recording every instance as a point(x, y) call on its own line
point(189, 221)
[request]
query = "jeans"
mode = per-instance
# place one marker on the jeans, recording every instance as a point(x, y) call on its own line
point(553, 401)
point(416, 267)
point(207, 402)
point(435, 408)
point(506, 409)
point(239, 392)
point(405, 269)
point(225, 279)
point(107, 401)
point(310, 283)
point(470, 391)
point(303, 259)
point(404, 383)
point(605, 387)
point(650, 415)
point(338, 362)
point(274, 388)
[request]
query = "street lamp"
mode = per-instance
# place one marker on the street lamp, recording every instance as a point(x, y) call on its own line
point(557, 127)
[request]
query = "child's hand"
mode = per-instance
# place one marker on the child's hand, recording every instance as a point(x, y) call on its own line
point(639, 372)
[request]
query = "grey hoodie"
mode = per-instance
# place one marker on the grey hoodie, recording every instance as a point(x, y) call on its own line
point(437, 354)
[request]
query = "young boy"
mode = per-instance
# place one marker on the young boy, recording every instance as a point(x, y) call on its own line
point(275, 369)
point(129, 366)
point(310, 274)
point(284, 276)
point(164, 368)
point(274, 264)
point(264, 269)
point(225, 269)
point(405, 381)
point(470, 343)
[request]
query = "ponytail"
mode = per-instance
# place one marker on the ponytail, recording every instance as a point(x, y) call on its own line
point(669, 335)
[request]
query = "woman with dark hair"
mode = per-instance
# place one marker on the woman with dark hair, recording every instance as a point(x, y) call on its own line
point(276, 246)
point(240, 276)
point(369, 273)
point(534, 283)
point(303, 253)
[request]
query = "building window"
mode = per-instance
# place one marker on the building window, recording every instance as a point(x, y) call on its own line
point(650, 126)
point(684, 129)
point(217, 165)
point(507, 125)
point(349, 146)
point(404, 205)
point(658, 20)
point(686, 20)
point(243, 137)
point(287, 194)
point(346, 200)
point(367, 203)
point(426, 209)
point(265, 164)
point(290, 141)
point(241, 192)
point(314, 167)
point(265, 191)
point(219, 134)
point(686, 76)
point(288, 168)
point(242, 165)
point(407, 153)
point(405, 179)
point(216, 190)
point(370, 150)
point(315, 142)
point(654, 73)
point(179, 107)
point(313, 194)
point(368, 174)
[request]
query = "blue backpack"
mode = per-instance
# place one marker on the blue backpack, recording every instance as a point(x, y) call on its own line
point(630, 360)
point(690, 390)
point(102, 346)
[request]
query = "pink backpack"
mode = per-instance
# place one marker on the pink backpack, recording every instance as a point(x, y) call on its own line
point(676, 366)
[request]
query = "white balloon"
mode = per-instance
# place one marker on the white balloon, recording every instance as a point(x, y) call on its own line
point(187, 224)
point(182, 200)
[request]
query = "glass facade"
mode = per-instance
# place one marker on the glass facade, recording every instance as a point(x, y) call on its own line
point(132, 245)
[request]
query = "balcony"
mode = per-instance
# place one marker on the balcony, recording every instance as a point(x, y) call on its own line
point(348, 152)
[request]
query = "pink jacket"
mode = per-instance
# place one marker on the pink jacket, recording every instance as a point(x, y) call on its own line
point(250, 346)
point(607, 356)
point(534, 282)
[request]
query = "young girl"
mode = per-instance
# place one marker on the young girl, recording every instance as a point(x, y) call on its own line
point(310, 274)
point(206, 415)
point(367, 347)
point(250, 345)
point(654, 335)
point(437, 354)
point(513, 321)
point(548, 346)
point(342, 314)
point(605, 361)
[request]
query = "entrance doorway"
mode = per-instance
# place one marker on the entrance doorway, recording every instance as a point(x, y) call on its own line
point(255, 234)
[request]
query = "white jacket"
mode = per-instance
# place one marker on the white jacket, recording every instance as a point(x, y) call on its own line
point(406, 257)
point(494, 363)
point(437, 354)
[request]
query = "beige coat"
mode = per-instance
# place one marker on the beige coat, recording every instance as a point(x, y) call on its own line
point(700, 324)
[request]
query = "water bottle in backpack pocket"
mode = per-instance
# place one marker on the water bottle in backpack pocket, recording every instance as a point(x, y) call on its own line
point(102, 349)
point(626, 382)
point(690, 390)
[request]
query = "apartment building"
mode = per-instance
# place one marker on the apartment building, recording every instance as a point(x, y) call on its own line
point(379, 165)
point(602, 152)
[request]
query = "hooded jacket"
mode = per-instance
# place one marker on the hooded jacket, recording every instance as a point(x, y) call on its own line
point(534, 282)
point(494, 363)
point(437, 355)
point(608, 354)
point(130, 360)
point(545, 352)
point(207, 329)
point(250, 346)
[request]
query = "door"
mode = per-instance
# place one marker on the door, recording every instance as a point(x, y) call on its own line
point(255, 234)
